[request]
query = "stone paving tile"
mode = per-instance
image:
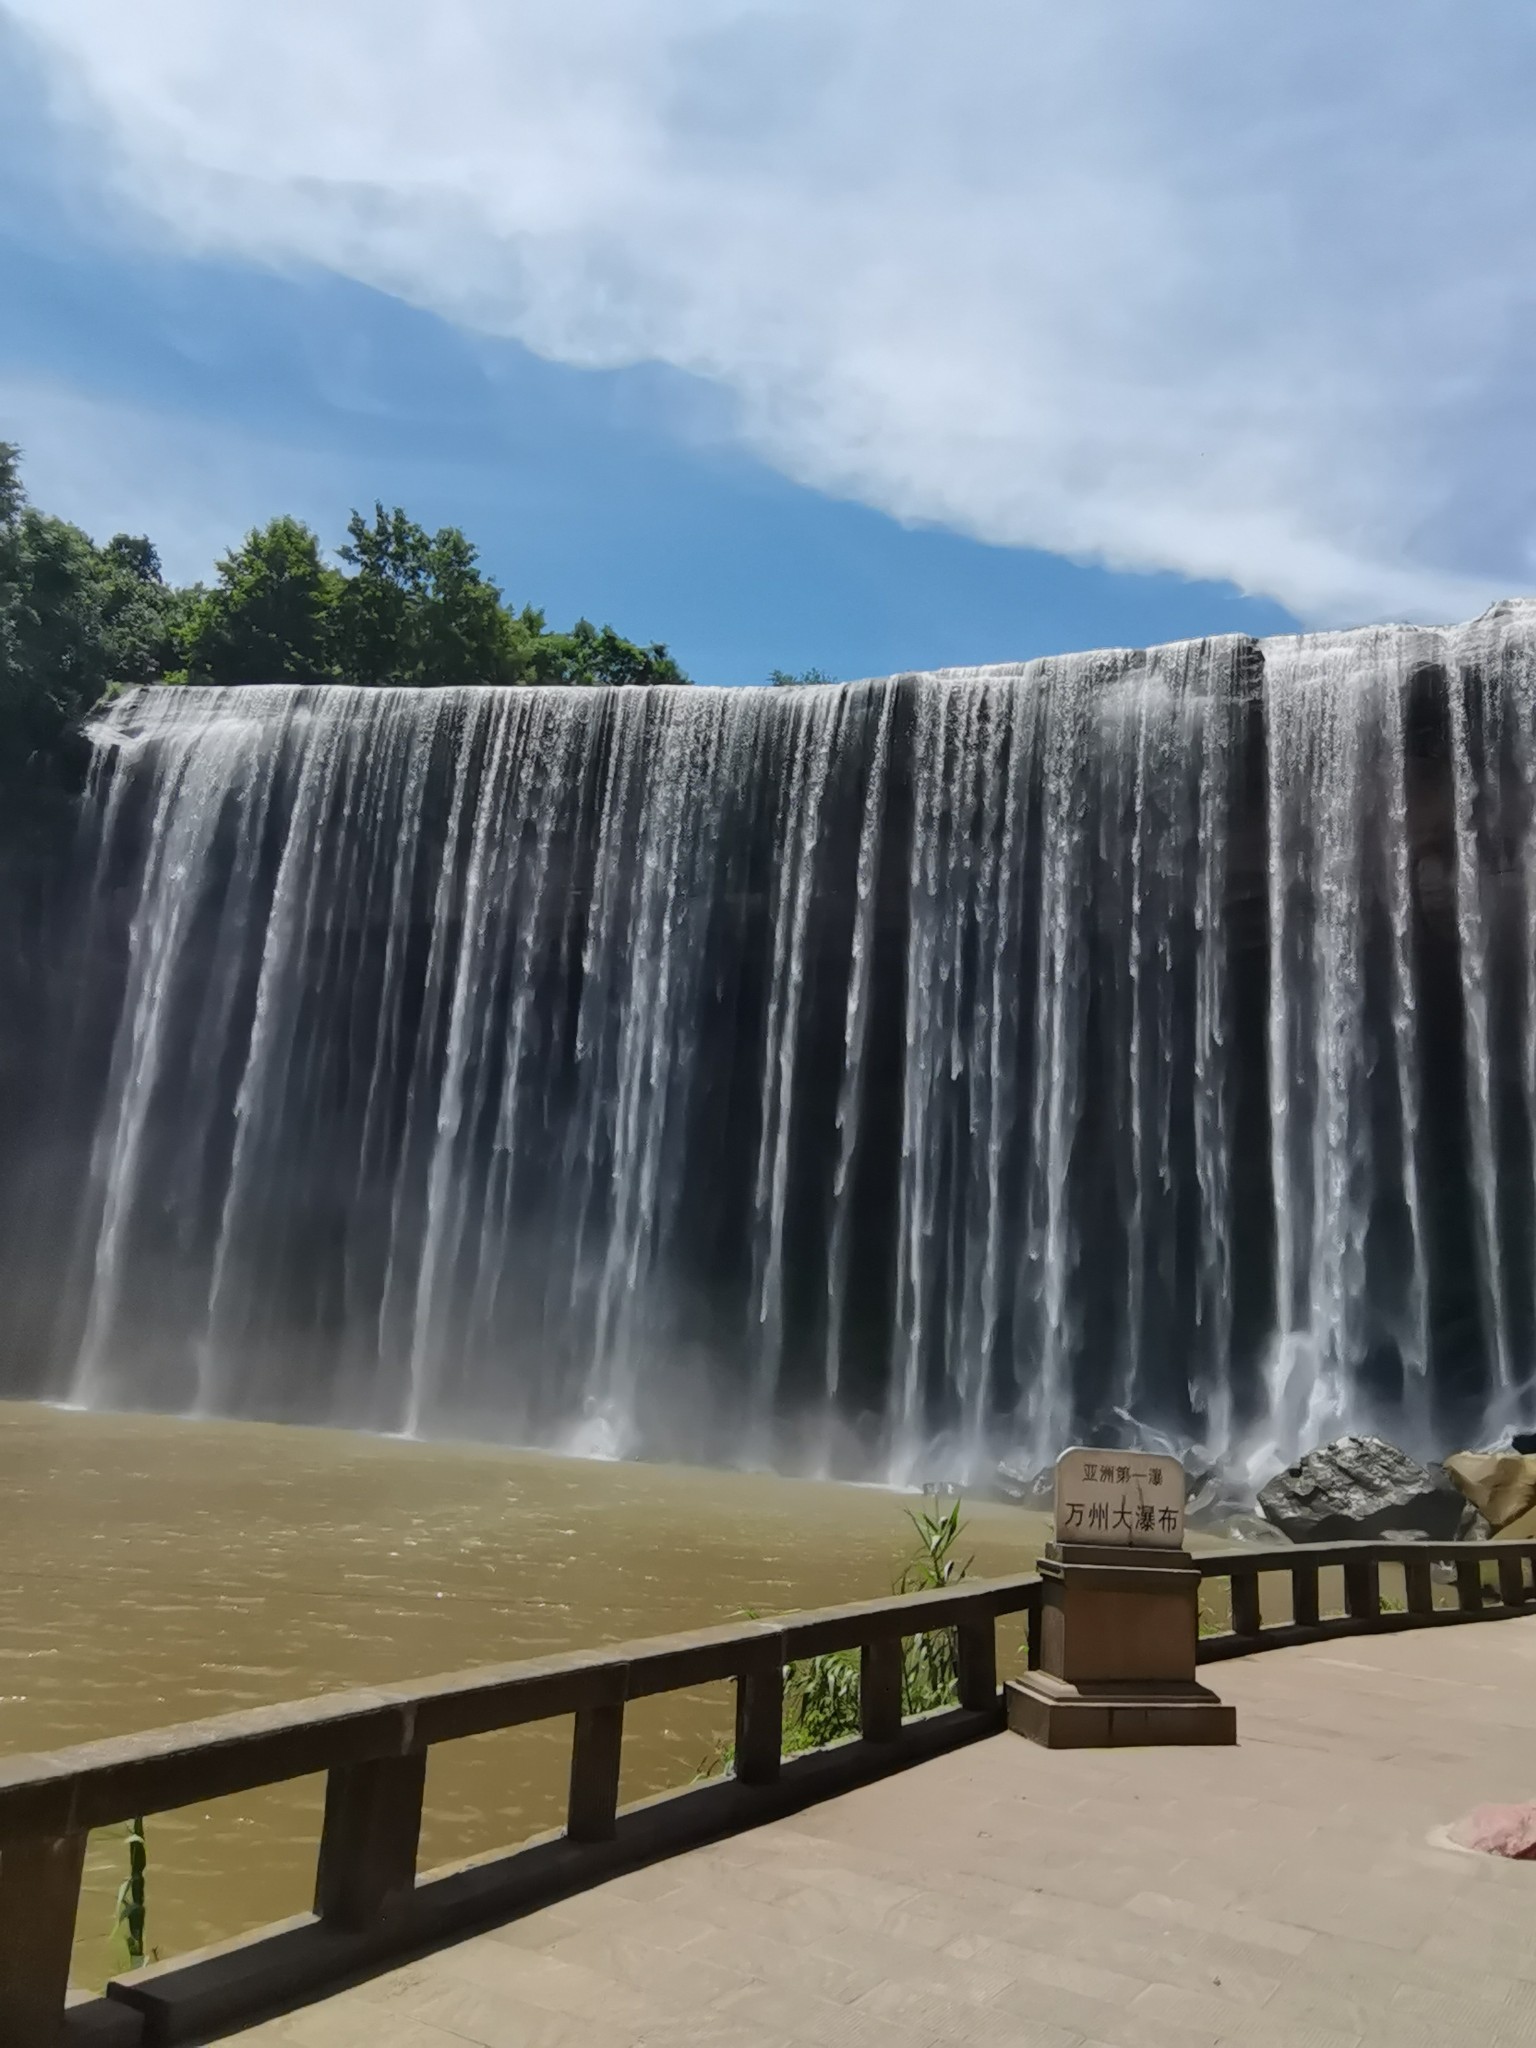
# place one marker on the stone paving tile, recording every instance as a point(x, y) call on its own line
point(655, 1972)
point(711, 2031)
point(538, 1930)
point(1112, 1971)
point(929, 2013)
point(335, 2024)
point(1118, 2026)
point(810, 2019)
point(1252, 2026)
point(1198, 1962)
point(1252, 1930)
point(1336, 1967)
point(1516, 2021)
point(1474, 1950)
point(467, 2012)
point(760, 1955)
point(551, 1985)
point(1288, 1893)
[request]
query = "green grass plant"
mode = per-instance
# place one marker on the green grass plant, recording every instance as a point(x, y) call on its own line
point(821, 1694)
point(128, 1921)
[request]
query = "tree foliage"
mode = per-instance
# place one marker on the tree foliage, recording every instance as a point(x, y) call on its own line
point(267, 618)
point(418, 610)
point(401, 606)
point(597, 656)
point(75, 619)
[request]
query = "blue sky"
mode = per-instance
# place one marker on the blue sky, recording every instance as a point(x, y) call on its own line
point(789, 335)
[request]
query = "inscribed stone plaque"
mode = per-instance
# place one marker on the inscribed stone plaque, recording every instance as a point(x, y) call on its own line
point(1128, 1497)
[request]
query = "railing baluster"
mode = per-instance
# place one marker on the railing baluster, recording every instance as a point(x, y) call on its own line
point(759, 1724)
point(368, 1840)
point(39, 1897)
point(1305, 1606)
point(880, 1689)
point(1246, 1618)
point(593, 1806)
point(1362, 1588)
point(1469, 1585)
point(1512, 1581)
point(976, 1655)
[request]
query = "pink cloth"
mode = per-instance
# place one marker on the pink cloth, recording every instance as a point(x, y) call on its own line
point(1499, 1831)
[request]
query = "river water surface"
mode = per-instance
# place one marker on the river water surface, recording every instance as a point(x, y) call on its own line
point(160, 1570)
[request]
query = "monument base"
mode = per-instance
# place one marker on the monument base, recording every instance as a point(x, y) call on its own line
point(1115, 1714)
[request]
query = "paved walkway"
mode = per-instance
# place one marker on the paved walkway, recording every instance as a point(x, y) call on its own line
point(1283, 1894)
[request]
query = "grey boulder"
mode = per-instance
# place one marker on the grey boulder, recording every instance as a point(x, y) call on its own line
point(1015, 1480)
point(1358, 1487)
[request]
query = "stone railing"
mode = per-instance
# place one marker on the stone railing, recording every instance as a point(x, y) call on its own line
point(372, 1746)
point(370, 1905)
point(1469, 1590)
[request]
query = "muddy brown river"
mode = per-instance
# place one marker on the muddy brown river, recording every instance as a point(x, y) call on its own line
point(160, 1570)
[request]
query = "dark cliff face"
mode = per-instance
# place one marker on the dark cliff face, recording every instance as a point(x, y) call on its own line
point(42, 892)
point(872, 1079)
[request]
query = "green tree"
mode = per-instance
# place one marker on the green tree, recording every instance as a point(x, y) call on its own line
point(74, 619)
point(142, 616)
point(465, 632)
point(375, 609)
point(269, 616)
point(409, 607)
point(59, 624)
point(11, 503)
point(592, 655)
point(417, 609)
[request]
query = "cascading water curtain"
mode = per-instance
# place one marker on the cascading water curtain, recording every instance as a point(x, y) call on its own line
point(881, 1079)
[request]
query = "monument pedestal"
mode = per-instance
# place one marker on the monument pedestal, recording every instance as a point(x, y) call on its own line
point(1117, 1653)
point(1109, 1716)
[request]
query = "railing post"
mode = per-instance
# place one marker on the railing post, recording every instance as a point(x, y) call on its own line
point(1362, 1588)
point(976, 1659)
point(760, 1723)
point(1033, 1644)
point(1469, 1585)
point(880, 1689)
point(593, 1806)
point(39, 1896)
point(1246, 1619)
point(1418, 1584)
point(368, 1840)
point(1306, 1609)
point(1512, 1581)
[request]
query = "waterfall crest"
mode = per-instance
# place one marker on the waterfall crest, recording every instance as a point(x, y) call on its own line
point(878, 1079)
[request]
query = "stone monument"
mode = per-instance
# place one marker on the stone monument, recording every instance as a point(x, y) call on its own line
point(1119, 1614)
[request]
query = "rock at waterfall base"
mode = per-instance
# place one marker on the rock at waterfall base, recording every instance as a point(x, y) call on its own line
point(1499, 1831)
point(1501, 1485)
point(1016, 1481)
point(1521, 1530)
point(1358, 1487)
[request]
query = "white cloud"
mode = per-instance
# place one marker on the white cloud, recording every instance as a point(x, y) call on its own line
point(114, 467)
point(1183, 285)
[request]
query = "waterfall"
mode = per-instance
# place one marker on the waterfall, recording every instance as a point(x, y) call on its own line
point(877, 1079)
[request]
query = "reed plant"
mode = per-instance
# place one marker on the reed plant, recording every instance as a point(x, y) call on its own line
point(128, 1921)
point(821, 1694)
